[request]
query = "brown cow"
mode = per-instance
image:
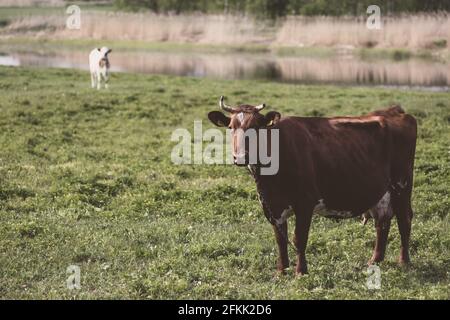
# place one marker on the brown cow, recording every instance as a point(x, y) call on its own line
point(338, 167)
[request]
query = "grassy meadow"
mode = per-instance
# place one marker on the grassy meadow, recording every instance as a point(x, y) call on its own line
point(86, 179)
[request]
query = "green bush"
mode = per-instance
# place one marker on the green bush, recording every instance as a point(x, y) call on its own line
point(4, 22)
point(441, 43)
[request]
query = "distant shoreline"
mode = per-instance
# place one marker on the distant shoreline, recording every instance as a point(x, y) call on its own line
point(25, 44)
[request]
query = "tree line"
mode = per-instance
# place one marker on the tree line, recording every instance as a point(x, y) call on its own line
point(279, 8)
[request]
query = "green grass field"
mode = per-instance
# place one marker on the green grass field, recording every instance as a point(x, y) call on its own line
point(86, 179)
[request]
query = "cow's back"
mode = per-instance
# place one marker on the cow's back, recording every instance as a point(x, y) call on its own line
point(345, 163)
point(348, 161)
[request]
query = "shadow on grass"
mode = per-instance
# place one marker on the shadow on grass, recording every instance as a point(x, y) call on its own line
point(429, 272)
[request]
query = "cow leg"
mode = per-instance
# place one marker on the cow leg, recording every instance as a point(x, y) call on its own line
point(281, 237)
point(404, 226)
point(106, 82)
point(93, 80)
point(404, 218)
point(99, 80)
point(404, 214)
point(302, 223)
point(382, 215)
point(382, 227)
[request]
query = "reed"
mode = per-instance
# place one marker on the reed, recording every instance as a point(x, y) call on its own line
point(423, 31)
point(413, 31)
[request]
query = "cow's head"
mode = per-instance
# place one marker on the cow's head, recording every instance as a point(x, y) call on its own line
point(104, 51)
point(104, 62)
point(241, 119)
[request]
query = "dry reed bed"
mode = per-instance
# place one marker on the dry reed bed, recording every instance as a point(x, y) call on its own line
point(412, 32)
point(28, 3)
point(417, 31)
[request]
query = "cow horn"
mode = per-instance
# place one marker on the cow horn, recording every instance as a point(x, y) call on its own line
point(224, 106)
point(260, 107)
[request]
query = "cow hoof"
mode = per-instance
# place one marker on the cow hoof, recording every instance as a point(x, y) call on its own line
point(282, 265)
point(404, 262)
point(280, 273)
point(282, 268)
point(301, 271)
point(375, 259)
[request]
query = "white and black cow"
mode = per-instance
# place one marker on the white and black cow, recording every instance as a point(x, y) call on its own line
point(99, 67)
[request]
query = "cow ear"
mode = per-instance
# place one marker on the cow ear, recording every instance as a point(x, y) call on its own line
point(219, 119)
point(272, 118)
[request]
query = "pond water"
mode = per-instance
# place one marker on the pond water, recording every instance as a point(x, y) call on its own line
point(339, 69)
